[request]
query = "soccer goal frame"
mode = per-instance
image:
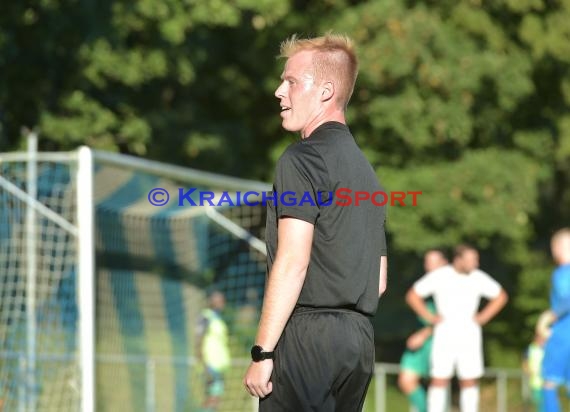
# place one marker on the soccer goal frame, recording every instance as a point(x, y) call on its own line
point(82, 231)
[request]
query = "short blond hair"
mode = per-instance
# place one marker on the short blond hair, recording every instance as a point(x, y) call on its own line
point(334, 58)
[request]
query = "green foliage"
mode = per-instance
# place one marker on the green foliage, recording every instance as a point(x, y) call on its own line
point(473, 198)
point(467, 101)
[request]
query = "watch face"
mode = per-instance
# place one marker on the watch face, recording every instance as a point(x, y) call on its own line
point(256, 354)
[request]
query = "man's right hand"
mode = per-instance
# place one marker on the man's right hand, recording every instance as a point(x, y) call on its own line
point(257, 378)
point(417, 339)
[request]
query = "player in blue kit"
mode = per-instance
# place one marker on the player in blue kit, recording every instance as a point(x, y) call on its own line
point(556, 362)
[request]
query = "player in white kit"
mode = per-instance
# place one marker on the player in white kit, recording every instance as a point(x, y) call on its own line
point(457, 290)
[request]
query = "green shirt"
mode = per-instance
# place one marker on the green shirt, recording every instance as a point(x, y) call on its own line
point(215, 350)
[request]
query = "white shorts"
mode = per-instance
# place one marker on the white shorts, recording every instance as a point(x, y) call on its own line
point(457, 348)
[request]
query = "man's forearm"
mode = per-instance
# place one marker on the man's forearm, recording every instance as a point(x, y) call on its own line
point(282, 292)
point(383, 281)
point(427, 331)
point(417, 303)
point(286, 279)
point(492, 308)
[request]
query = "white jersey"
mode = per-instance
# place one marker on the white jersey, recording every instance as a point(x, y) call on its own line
point(456, 295)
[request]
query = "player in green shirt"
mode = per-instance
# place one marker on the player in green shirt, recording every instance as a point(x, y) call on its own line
point(415, 361)
point(214, 350)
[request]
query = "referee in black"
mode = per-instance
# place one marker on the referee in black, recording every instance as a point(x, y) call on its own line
point(314, 350)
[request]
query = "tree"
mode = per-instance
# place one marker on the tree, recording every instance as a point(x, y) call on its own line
point(466, 101)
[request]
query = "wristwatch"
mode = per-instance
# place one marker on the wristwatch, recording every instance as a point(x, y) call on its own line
point(258, 354)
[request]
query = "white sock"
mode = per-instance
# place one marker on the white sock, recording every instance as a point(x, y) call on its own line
point(469, 399)
point(437, 398)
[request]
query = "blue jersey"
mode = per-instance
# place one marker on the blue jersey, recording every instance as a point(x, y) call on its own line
point(556, 361)
point(560, 299)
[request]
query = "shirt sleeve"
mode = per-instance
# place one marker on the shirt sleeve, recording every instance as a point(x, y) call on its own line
point(426, 285)
point(300, 182)
point(561, 292)
point(489, 287)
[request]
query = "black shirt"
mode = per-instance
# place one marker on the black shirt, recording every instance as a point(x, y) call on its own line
point(348, 240)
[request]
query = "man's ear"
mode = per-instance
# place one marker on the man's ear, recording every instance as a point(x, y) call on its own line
point(327, 91)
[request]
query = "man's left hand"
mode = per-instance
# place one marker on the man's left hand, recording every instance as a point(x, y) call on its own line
point(257, 378)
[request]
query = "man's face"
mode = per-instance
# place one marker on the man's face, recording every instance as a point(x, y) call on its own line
point(433, 260)
point(469, 260)
point(298, 93)
point(217, 301)
point(560, 247)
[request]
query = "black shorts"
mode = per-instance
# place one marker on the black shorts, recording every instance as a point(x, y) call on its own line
point(323, 362)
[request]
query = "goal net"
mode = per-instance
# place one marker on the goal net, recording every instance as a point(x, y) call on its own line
point(154, 269)
point(44, 350)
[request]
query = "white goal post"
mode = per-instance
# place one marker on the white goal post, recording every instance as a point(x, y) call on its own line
point(29, 288)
